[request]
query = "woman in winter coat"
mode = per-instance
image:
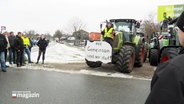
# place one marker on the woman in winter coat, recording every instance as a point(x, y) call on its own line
point(42, 44)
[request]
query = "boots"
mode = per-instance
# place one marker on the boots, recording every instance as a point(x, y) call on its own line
point(18, 65)
point(42, 62)
point(37, 62)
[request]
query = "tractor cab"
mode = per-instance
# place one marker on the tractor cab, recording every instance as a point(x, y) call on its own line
point(125, 31)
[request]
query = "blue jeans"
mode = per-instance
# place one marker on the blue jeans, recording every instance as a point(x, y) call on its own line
point(2, 61)
point(26, 50)
point(12, 52)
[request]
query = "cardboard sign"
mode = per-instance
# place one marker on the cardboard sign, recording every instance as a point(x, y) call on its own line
point(98, 51)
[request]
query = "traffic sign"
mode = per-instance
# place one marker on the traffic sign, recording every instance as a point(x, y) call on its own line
point(3, 28)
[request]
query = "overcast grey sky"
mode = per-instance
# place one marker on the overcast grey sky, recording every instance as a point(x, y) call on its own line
point(49, 15)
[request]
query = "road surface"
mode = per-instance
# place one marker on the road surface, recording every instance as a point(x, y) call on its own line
point(64, 88)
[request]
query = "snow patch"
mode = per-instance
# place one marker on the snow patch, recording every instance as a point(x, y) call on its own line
point(105, 74)
point(82, 71)
point(60, 53)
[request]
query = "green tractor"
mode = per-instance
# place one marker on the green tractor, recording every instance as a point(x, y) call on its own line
point(164, 46)
point(126, 52)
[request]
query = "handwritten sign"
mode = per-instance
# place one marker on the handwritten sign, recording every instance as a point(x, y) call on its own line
point(98, 51)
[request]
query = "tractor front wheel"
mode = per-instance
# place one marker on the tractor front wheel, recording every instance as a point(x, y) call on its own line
point(154, 57)
point(126, 59)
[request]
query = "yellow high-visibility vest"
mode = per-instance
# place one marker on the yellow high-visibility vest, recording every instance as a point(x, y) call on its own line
point(26, 41)
point(108, 33)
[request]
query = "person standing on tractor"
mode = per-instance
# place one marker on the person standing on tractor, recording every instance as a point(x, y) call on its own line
point(108, 33)
point(167, 85)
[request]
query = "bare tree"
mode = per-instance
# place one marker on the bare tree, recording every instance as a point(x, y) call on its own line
point(30, 33)
point(48, 36)
point(58, 34)
point(149, 26)
point(75, 25)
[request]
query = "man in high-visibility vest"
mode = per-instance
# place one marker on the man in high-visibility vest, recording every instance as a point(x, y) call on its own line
point(26, 48)
point(108, 33)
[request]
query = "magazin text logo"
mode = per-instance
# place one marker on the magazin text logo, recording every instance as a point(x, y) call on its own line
point(25, 94)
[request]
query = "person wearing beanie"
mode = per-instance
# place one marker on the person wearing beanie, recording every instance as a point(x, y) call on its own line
point(167, 85)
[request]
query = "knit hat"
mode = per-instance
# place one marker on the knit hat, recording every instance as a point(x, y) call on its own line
point(180, 22)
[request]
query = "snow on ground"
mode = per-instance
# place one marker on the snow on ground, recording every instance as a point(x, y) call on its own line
point(59, 53)
point(82, 71)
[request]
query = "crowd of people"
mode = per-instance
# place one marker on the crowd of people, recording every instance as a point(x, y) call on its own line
point(14, 47)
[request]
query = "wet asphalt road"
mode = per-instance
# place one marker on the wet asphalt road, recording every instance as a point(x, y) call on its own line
point(63, 88)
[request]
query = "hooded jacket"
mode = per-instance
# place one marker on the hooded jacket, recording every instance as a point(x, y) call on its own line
point(167, 85)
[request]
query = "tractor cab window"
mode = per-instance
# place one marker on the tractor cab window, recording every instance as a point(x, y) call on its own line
point(122, 26)
point(126, 27)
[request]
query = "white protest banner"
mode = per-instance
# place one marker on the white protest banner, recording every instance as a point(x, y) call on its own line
point(98, 51)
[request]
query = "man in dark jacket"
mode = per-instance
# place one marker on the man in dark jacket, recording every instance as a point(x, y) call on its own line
point(12, 52)
point(42, 44)
point(167, 85)
point(3, 46)
point(19, 47)
point(6, 34)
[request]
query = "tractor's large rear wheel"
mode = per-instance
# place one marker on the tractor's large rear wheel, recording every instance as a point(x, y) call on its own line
point(139, 59)
point(168, 53)
point(93, 64)
point(154, 57)
point(126, 59)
